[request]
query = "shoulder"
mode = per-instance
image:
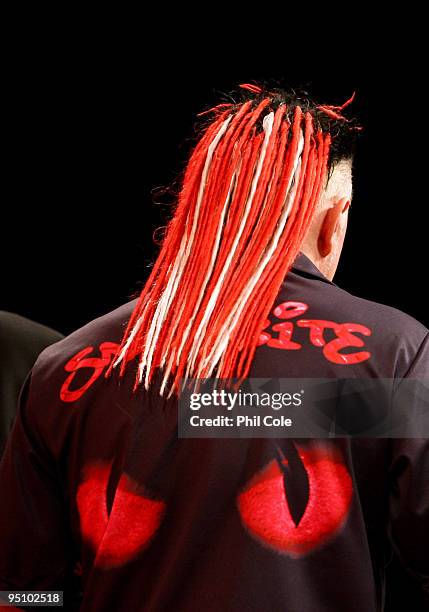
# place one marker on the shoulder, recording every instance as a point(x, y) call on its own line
point(396, 337)
point(106, 330)
point(376, 339)
point(67, 396)
point(67, 371)
point(387, 320)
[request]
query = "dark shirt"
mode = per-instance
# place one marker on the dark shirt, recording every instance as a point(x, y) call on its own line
point(21, 342)
point(96, 483)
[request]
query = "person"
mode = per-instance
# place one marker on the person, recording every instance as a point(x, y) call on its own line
point(104, 497)
point(21, 342)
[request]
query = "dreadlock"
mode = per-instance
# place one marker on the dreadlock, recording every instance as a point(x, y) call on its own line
point(247, 199)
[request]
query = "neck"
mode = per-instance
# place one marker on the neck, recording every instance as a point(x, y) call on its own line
point(326, 265)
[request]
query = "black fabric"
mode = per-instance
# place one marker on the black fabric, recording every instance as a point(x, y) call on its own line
point(96, 484)
point(21, 342)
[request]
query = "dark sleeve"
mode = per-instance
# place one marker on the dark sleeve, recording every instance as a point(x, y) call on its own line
point(21, 342)
point(409, 477)
point(35, 544)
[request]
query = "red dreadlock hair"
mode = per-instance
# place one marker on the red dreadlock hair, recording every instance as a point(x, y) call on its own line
point(247, 199)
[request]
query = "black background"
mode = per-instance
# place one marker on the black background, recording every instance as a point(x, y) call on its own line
point(94, 125)
point(97, 117)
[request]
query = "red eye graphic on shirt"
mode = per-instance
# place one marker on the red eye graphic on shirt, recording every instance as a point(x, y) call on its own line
point(319, 507)
point(133, 521)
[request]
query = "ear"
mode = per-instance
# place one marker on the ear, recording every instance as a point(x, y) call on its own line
point(330, 226)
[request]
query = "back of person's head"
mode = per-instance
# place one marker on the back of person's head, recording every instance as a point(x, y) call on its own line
point(266, 162)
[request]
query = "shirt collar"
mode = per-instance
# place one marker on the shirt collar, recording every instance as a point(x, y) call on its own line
point(305, 267)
